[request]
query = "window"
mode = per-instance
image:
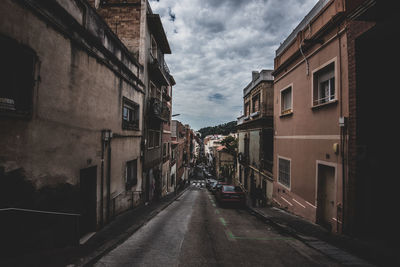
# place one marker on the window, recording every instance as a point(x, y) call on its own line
point(286, 101)
point(284, 172)
point(153, 139)
point(256, 103)
point(172, 179)
point(130, 115)
point(131, 174)
point(247, 109)
point(155, 92)
point(165, 149)
point(324, 85)
point(16, 78)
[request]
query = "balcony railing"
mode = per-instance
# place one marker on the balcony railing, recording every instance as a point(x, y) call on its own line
point(266, 164)
point(159, 109)
point(160, 67)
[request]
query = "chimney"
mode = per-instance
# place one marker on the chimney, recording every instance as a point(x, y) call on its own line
point(255, 74)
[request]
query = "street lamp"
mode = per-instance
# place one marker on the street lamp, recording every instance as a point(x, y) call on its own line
point(174, 115)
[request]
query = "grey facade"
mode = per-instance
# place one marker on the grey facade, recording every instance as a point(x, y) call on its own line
point(71, 111)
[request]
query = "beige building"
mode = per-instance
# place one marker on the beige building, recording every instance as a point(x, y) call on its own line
point(255, 131)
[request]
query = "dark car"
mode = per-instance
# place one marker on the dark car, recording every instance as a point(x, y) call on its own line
point(213, 187)
point(220, 184)
point(209, 183)
point(230, 194)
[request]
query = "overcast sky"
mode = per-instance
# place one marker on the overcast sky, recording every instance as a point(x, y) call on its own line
point(216, 44)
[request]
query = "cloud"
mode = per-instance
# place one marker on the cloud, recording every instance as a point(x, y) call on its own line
point(216, 44)
point(217, 98)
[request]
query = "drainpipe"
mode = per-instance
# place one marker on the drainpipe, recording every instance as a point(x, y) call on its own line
point(109, 176)
point(342, 133)
point(106, 141)
point(102, 179)
point(305, 59)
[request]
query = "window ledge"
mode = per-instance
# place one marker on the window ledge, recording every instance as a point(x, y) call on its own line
point(255, 114)
point(286, 114)
point(335, 101)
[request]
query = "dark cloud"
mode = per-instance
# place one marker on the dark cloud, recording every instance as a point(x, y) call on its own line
point(219, 3)
point(210, 26)
point(217, 97)
point(171, 14)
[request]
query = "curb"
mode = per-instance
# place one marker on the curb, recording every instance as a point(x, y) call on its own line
point(110, 245)
point(335, 253)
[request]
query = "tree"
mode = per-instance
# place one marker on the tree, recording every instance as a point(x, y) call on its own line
point(223, 129)
point(230, 144)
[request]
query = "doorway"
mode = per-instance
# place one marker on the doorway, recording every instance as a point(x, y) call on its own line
point(88, 203)
point(325, 195)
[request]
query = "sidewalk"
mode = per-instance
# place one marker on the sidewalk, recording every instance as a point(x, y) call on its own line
point(344, 249)
point(103, 241)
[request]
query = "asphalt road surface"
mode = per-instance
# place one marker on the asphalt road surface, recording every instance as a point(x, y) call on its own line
point(196, 231)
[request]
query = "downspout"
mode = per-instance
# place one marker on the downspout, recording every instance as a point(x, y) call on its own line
point(342, 135)
point(102, 180)
point(109, 176)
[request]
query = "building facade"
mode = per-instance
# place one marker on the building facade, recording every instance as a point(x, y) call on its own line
point(79, 152)
point(142, 32)
point(326, 82)
point(255, 134)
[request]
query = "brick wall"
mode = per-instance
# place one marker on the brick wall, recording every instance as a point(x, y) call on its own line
point(124, 20)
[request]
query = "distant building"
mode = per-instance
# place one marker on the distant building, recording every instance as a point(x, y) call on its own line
point(255, 132)
point(224, 165)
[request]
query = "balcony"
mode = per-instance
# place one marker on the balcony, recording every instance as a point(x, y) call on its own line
point(165, 94)
point(266, 165)
point(159, 110)
point(159, 70)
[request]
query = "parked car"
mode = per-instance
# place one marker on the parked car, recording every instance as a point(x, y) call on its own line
point(220, 184)
point(230, 194)
point(209, 183)
point(213, 186)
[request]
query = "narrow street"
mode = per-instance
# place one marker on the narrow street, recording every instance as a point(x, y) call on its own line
point(196, 231)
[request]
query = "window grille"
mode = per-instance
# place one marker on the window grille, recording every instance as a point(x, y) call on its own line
point(284, 172)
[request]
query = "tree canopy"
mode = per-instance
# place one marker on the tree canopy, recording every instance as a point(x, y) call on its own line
point(223, 129)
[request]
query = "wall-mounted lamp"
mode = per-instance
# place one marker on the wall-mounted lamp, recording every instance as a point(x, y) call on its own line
point(106, 135)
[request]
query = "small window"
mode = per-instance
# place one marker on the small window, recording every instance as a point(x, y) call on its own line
point(130, 115)
point(324, 85)
point(286, 101)
point(153, 139)
point(155, 92)
point(16, 78)
point(247, 109)
point(157, 139)
point(256, 103)
point(131, 174)
point(284, 172)
point(172, 179)
point(165, 149)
